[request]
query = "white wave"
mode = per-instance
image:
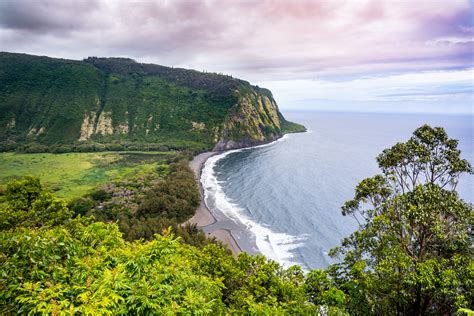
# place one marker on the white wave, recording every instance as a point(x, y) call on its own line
point(275, 246)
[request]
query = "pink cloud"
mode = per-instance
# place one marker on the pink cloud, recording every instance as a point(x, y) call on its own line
point(251, 39)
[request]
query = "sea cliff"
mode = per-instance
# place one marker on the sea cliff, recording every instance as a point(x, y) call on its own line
point(50, 104)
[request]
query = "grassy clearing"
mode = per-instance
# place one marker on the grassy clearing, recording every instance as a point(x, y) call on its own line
point(72, 175)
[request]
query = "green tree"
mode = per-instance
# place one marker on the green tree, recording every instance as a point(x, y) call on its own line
point(321, 289)
point(175, 198)
point(412, 252)
point(30, 204)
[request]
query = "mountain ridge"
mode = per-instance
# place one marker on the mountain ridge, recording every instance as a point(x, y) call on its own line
point(119, 104)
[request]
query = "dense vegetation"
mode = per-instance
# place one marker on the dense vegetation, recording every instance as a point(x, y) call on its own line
point(57, 105)
point(412, 254)
point(52, 263)
point(143, 192)
point(147, 205)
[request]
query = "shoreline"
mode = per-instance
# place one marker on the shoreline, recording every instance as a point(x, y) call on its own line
point(212, 224)
point(203, 216)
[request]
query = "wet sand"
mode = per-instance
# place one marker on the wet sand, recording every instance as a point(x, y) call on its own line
point(203, 217)
point(225, 236)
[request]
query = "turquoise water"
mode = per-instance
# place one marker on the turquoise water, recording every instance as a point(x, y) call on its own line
point(288, 194)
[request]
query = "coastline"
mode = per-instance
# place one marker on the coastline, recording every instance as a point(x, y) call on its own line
point(203, 217)
point(213, 224)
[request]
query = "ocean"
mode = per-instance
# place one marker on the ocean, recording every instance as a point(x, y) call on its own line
point(284, 199)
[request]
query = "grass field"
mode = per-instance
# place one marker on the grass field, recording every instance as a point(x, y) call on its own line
point(72, 175)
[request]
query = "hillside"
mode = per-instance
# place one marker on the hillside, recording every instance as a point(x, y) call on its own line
point(49, 104)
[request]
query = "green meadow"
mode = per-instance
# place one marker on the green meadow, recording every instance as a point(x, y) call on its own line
point(72, 175)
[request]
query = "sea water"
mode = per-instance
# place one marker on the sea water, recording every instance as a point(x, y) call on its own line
point(288, 194)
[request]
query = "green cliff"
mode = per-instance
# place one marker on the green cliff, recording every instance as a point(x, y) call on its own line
point(119, 104)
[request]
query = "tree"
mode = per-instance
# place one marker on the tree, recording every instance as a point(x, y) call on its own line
point(175, 198)
point(322, 291)
point(412, 252)
point(30, 204)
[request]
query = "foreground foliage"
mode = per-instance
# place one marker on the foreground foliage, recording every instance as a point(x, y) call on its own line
point(54, 263)
point(412, 254)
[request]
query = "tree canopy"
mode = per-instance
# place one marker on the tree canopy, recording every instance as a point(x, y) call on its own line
point(412, 253)
point(31, 205)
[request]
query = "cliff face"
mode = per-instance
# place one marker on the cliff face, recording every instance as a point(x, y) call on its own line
point(118, 103)
point(255, 119)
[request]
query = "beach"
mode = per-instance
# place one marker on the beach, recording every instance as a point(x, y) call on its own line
point(235, 231)
point(203, 218)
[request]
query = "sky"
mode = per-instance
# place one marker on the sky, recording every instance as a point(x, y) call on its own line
point(344, 55)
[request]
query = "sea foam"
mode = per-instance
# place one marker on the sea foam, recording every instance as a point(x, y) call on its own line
point(274, 245)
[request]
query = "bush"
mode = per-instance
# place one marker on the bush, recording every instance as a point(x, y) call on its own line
point(100, 195)
point(81, 206)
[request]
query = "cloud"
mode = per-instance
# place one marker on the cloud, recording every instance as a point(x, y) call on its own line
point(36, 17)
point(454, 40)
point(451, 91)
point(256, 40)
